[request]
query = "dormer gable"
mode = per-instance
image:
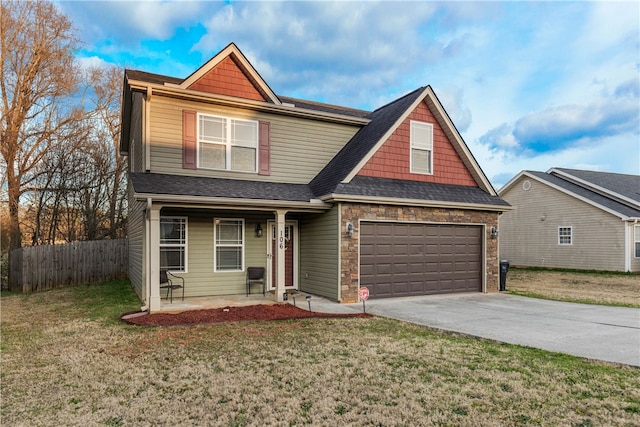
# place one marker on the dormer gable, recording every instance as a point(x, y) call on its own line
point(451, 161)
point(398, 155)
point(382, 149)
point(229, 73)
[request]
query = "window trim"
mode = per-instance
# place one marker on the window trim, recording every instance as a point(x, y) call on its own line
point(412, 147)
point(215, 245)
point(570, 235)
point(227, 144)
point(636, 241)
point(185, 245)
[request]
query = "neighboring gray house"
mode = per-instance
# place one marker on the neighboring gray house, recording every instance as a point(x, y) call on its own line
point(568, 218)
point(225, 175)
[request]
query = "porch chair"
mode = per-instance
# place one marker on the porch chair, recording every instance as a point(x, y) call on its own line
point(169, 281)
point(255, 276)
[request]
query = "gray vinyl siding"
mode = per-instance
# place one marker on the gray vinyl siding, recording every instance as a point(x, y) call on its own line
point(200, 278)
point(136, 153)
point(135, 235)
point(319, 254)
point(598, 238)
point(300, 148)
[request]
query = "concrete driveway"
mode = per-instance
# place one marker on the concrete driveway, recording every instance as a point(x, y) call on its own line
point(592, 331)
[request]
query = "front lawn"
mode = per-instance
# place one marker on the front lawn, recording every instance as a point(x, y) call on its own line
point(66, 360)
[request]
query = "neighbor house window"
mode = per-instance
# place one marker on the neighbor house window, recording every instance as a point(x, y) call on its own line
point(636, 240)
point(227, 144)
point(173, 244)
point(421, 147)
point(229, 244)
point(565, 235)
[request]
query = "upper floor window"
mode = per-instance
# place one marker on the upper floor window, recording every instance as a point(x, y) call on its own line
point(565, 235)
point(173, 244)
point(227, 144)
point(421, 148)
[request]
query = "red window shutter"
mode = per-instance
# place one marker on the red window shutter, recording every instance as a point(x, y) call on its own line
point(189, 139)
point(264, 156)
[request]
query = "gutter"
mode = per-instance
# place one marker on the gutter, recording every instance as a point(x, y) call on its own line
point(414, 202)
point(235, 203)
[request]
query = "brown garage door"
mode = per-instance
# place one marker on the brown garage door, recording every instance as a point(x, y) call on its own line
point(398, 259)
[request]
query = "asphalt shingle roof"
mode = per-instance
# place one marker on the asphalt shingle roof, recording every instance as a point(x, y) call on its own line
point(155, 183)
point(587, 194)
point(625, 185)
point(414, 190)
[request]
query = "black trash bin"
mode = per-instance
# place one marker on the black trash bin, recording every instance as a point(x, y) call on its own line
point(504, 268)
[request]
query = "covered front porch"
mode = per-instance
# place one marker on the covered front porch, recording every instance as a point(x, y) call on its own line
point(300, 299)
point(211, 248)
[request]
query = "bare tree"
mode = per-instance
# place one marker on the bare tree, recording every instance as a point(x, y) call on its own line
point(80, 190)
point(37, 78)
point(106, 84)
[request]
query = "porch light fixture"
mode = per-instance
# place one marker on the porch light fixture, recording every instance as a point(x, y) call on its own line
point(494, 233)
point(350, 229)
point(258, 230)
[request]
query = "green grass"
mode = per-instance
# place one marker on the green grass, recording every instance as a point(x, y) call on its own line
point(66, 360)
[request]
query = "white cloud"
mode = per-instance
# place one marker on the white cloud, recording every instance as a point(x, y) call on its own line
point(453, 101)
point(129, 21)
point(87, 63)
point(347, 52)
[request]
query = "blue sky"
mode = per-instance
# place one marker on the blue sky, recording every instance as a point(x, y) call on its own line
point(529, 85)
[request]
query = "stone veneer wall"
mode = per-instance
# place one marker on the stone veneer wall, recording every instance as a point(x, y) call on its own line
point(354, 212)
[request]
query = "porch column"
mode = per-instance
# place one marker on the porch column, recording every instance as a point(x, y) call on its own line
point(154, 259)
point(280, 245)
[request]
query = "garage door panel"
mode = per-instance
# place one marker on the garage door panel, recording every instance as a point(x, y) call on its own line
point(399, 259)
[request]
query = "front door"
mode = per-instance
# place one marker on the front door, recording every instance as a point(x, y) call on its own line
point(290, 254)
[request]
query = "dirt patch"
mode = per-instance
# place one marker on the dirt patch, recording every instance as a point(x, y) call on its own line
point(229, 314)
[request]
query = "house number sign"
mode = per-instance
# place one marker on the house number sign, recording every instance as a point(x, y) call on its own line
point(281, 239)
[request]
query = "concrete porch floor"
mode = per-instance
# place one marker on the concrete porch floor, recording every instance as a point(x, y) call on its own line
point(318, 303)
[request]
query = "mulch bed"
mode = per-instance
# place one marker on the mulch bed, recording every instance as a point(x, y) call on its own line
point(229, 314)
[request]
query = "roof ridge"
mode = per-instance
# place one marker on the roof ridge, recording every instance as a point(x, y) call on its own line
point(421, 88)
point(592, 171)
point(307, 101)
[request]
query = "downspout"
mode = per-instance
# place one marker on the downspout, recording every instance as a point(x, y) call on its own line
point(147, 131)
point(628, 250)
point(147, 243)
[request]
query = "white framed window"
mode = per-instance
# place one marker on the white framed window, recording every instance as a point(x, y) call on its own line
point(421, 136)
point(565, 235)
point(228, 244)
point(636, 241)
point(173, 243)
point(227, 144)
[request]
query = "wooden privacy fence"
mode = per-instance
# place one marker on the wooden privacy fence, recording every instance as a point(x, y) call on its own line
point(38, 268)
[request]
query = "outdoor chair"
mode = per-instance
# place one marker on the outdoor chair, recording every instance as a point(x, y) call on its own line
point(171, 282)
point(255, 276)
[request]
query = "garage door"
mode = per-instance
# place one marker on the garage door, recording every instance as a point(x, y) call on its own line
point(398, 259)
